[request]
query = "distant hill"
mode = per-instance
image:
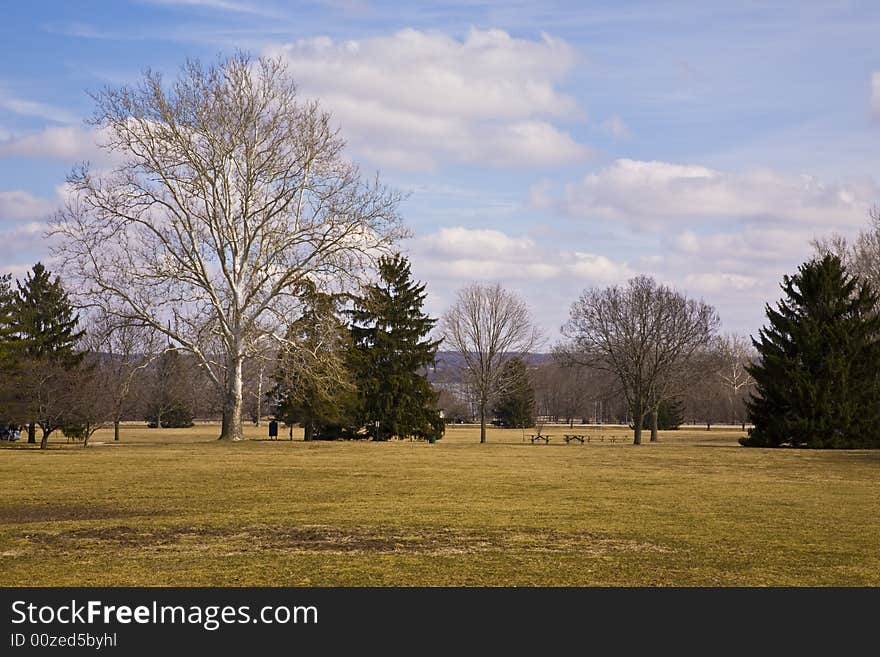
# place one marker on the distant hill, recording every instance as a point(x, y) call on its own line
point(450, 363)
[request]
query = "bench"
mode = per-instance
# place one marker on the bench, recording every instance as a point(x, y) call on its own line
point(537, 436)
point(571, 436)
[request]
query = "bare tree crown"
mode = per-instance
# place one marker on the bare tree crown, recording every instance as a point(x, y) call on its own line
point(229, 195)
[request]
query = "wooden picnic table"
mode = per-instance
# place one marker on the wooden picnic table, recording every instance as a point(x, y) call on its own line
point(538, 436)
point(574, 436)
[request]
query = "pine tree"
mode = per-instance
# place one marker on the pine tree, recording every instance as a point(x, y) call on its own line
point(44, 318)
point(313, 386)
point(45, 327)
point(390, 356)
point(515, 407)
point(818, 376)
point(8, 342)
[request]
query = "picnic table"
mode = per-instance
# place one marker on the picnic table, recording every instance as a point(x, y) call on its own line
point(538, 436)
point(574, 436)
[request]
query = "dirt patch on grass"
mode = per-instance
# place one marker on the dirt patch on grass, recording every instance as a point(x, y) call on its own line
point(60, 512)
point(323, 538)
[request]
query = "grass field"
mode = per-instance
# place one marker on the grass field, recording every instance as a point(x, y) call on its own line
point(175, 507)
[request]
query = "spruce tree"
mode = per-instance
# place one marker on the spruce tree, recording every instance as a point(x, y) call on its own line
point(44, 318)
point(818, 376)
point(8, 342)
point(45, 327)
point(391, 354)
point(515, 407)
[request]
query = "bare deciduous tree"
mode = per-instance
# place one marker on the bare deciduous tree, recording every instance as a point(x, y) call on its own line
point(644, 333)
point(229, 195)
point(488, 326)
point(735, 353)
point(122, 352)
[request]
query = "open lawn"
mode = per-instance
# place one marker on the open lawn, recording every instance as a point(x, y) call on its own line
point(176, 507)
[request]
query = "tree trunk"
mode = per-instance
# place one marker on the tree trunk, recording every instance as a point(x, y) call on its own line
point(708, 426)
point(44, 440)
point(116, 430)
point(638, 414)
point(231, 428)
point(482, 421)
point(307, 431)
point(291, 431)
point(259, 394)
point(32, 434)
point(654, 422)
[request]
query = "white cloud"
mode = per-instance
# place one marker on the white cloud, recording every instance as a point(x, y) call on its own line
point(18, 205)
point(652, 193)
point(598, 269)
point(33, 108)
point(218, 5)
point(617, 128)
point(68, 143)
point(24, 237)
point(415, 99)
point(462, 242)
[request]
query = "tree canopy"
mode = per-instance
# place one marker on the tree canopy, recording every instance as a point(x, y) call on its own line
point(818, 374)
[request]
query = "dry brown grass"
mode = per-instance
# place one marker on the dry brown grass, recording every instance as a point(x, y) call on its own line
point(175, 507)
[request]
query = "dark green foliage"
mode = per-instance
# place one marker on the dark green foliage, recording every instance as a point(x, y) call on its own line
point(313, 386)
point(670, 415)
point(44, 320)
point(817, 382)
point(515, 407)
point(8, 342)
point(390, 356)
point(39, 336)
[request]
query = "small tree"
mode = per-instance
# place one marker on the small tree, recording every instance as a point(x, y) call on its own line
point(313, 385)
point(515, 406)
point(488, 326)
point(818, 377)
point(644, 333)
point(390, 355)
point(170, 391)
point(46, 329)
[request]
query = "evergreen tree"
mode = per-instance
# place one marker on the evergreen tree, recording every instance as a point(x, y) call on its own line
point(8, 342)
point(818, 376)
point(44, 319)
point(313, 385)
point(45, 326)
point(515, 407)
point(670, 415)
point(390, 356)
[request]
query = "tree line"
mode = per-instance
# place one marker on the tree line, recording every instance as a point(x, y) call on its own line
point(233, 242)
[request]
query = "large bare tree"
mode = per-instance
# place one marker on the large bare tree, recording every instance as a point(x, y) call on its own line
point(229, 194)
point(488, 326)
point(644, 333)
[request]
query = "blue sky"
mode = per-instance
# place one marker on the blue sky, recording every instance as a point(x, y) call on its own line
point(548, 146)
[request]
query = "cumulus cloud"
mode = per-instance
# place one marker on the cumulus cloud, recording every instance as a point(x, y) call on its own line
point(414, 99)
point(67, 143)
point(661, 192)
point(480, 254)
point(19, 205)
